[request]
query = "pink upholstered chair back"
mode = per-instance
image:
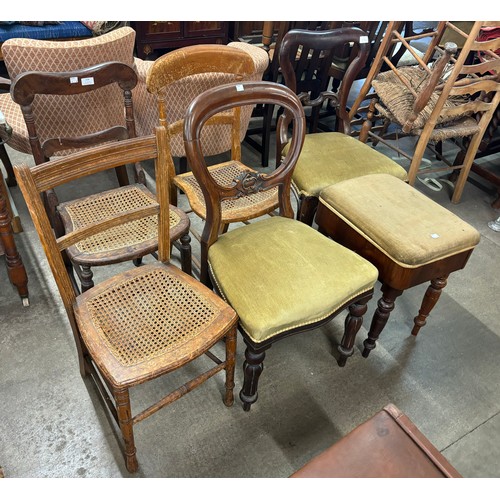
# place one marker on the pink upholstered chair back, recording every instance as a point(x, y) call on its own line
point(69, 115)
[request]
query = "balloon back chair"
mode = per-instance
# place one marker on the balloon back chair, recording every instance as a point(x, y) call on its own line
point(141, 323)
point(281, 276)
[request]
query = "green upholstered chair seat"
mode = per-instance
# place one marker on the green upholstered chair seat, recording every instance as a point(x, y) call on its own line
point(406, 225)
point(331, 157)
point(280, 274)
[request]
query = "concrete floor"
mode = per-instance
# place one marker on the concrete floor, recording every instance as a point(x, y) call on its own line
point(447, 380)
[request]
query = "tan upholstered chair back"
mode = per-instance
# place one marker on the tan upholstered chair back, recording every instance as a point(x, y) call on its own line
point(70, 115)
point(180, 93)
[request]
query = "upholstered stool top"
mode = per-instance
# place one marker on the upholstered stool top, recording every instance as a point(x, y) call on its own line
point(403, 223)
point(331, 157)
point(264, 270)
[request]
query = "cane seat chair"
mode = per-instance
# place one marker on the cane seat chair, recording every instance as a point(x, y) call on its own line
point(450, 94)
point(327, 157)
point(184, 74)
point(141, 323)
point(130, 241)
point(281, 276)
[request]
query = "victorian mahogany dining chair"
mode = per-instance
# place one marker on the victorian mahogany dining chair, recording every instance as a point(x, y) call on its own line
point(63, 93)
point(327, 157)
point(144, 322)
point(281, 276)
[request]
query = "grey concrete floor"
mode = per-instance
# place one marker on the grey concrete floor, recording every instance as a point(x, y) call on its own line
point(447, 380)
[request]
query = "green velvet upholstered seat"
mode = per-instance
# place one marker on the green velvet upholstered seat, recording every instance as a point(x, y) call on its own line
point(331, 157)
point(403, 223)
point(280, 274)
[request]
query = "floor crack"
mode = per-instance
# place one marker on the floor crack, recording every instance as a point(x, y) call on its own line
point(472, 430)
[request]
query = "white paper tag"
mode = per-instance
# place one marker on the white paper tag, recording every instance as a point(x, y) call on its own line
point(363, 39)
point(434, 235)
point(88, 81)
point(73, 79)
point(240, 87)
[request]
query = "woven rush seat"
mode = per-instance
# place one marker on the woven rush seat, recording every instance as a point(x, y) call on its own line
point(233, 210)
point(259, 292)
point(409, 238)
point(399, 101)
point(139, 237)
point(151, 316)
point(388, 445)
point(352, 158)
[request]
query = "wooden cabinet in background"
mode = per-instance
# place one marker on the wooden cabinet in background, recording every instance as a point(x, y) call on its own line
point(154, 35)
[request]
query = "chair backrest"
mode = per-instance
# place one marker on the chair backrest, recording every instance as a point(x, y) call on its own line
point(80, 113)
point(207, 107)
point(179, 76)
point(46, 176)
point(305, 60)
point(455, 82)
point(49, 101)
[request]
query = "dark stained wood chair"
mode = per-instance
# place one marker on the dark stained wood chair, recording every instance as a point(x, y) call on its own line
point(259, 136)
point(144, 322)
point(281, 276)
point(63, 93)
point(327, 157)
point(388, 445)
point(407, 236)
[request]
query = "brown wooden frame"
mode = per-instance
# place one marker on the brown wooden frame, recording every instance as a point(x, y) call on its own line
point(26, 86)
point(317, 49)
point(111, 378)
point(202, 110)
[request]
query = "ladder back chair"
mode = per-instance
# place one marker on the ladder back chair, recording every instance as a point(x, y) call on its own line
point(327, 157)
point(144, 322)
point(281, 276)
point(450, 98)
point(49, 99)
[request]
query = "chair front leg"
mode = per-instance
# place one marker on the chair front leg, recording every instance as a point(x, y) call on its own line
point(353, 323)
point(252, 369)
point(230, 363)
point(124, 411)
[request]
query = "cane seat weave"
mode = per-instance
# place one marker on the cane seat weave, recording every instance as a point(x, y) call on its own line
point(235, 209)
point(139, 237)
point(151, 315)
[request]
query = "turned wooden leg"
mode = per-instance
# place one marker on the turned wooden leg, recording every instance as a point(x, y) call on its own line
point(230, 362)
point(385, 305)
point(353, 323)
point(86, 275)
point(252, 368)
point(15, 267)
point(186, 262)
point(10, 179)
point(307, 209)
point(429, 301)
point(125, 422)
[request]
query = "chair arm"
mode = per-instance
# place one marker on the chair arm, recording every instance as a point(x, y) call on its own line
point(4, 83)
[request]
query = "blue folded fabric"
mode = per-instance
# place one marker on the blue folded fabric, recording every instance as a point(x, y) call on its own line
point(65, 29)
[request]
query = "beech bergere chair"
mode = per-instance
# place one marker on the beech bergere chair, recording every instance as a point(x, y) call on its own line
point(144, 322)
point(327, 157)
point(281, 276)
point(131, 241)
